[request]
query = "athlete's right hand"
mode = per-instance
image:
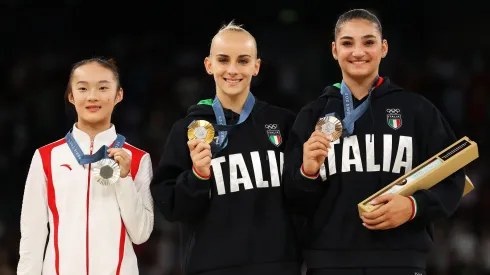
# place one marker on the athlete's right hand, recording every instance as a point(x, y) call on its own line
point(201, 156)
point(315, 152)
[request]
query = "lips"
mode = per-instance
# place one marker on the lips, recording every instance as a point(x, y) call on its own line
point(359, 62)
point(233, 81)
point(93, 108)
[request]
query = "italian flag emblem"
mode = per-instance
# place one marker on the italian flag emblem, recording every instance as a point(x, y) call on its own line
point(395, 123)
point(275, 139)
point(274, 134)
point(394, 119)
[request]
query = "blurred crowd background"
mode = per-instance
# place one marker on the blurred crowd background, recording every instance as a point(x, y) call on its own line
point(435, 49)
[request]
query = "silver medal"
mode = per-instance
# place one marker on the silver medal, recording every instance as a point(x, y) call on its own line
point(106, 171)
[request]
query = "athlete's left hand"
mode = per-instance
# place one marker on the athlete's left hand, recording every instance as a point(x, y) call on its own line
point(397, 210)
point(122, 158)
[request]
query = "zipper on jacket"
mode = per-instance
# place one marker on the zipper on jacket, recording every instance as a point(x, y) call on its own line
point(87, 224)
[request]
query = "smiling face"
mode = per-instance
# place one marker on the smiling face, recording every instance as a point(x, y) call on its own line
point(233, 62)
point(359, 48)
point(94, 93)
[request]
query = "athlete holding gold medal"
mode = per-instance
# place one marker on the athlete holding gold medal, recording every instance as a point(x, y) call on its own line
point(227, 195)
point(91, 187)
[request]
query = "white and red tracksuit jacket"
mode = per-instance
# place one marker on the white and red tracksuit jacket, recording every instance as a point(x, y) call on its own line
point(92, 227)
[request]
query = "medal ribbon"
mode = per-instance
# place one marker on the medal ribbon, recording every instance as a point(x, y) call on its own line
point(100, 154)
point(351, 114)
point(221, 126)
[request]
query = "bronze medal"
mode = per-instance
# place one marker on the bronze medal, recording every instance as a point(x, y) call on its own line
point(331, 126)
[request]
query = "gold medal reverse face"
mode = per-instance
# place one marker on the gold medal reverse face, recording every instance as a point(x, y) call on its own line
point(201, 129)
point(331, 126)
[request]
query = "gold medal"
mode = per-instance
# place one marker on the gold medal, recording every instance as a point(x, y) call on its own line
point(201, 129)
point(331, 126)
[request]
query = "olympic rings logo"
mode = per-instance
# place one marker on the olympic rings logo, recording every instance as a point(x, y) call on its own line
point(393, 111)
point(271, 126)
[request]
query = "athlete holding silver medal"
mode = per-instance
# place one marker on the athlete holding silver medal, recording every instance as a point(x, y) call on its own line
point(90, 187)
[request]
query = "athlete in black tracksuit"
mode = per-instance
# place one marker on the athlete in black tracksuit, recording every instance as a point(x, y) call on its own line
point(378, 154)
point(397, 131)
point(228, 195)
point(225, 230)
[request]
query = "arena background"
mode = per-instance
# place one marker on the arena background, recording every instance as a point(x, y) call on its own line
point(435, 49)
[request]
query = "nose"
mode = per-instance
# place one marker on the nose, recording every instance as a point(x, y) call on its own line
point(358, 51)
point(232, 70)
point(92, 95)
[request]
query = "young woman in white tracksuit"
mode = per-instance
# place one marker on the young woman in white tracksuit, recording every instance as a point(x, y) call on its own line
point(90, 187)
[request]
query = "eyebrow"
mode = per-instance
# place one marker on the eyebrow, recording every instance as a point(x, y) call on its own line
point(225, 55)
point(85, 82)
point(364, 37)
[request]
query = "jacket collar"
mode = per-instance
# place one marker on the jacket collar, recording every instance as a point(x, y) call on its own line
point(106, 137)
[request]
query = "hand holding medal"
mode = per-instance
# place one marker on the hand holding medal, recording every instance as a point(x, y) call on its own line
point(200, 134)
point(315, 151)
point(117, 165)
point(122, 158)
